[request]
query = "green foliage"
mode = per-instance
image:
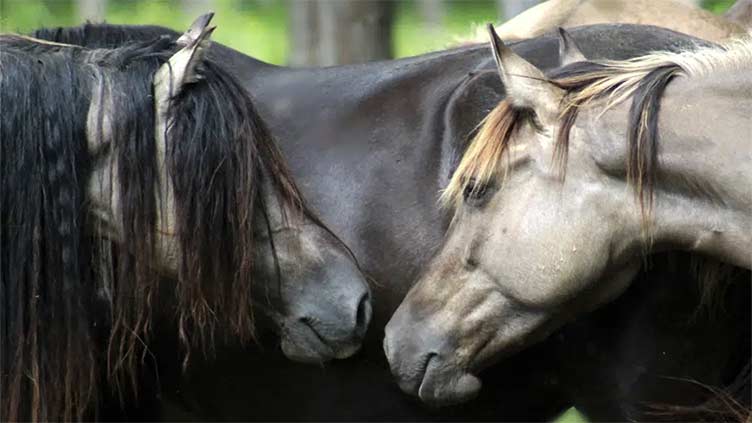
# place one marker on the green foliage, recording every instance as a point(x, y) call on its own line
point(717, 6)
point(412, 36)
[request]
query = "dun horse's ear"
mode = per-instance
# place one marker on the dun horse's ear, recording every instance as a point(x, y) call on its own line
point(569, 51)
point(526, 86)
point(181, 69)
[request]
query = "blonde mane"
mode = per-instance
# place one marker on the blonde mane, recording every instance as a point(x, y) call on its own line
point(620, 79)
point(584, 83)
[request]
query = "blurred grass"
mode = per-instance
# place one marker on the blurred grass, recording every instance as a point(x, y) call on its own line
point(571, 416)
point(717, 6)
point(260, 27)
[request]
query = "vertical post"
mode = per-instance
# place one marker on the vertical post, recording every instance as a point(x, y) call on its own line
point(193, 8)
point(332, 32)
point(432, 12)
point(91, 10)
point(508, 9)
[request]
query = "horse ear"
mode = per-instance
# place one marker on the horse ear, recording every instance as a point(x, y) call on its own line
point(526, 86)
point(194, 32)
point(181, 69)
point(569, 51)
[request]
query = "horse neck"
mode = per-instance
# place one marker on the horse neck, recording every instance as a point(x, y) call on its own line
point(702, 196)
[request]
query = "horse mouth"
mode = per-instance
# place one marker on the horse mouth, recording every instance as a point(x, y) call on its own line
point(302, 342)
point(411, 381)
point(423, 372)
point(441, 386)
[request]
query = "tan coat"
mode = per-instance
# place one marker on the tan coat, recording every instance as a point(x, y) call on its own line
point(671, 14)
point(741, 13)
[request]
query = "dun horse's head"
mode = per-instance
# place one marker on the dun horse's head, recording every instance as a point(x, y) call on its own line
point(561, 193)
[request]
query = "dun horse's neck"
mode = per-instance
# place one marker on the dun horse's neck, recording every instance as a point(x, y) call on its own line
point(703, 192)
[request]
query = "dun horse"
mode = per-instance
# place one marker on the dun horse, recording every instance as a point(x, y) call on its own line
point(123, 166)
point(545, 223)
point(552, 14)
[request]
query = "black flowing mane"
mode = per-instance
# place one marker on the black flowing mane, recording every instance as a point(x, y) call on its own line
point(57, 274)
point(102, 35)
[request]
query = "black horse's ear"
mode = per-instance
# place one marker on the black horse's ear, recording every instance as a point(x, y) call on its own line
point(196, 29)
point(181, 69)
point(526, 85)
point(569, 51)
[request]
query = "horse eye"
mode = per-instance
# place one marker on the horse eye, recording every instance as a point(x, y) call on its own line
point(474, 191)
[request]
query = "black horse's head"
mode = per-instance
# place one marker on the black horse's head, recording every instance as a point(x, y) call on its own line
point(123, 166)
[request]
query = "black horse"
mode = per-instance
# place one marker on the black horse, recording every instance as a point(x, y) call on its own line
point(121, 166)
point(386, 137)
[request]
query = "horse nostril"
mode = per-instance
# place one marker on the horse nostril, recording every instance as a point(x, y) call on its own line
point(306, 321)
point(363, 315)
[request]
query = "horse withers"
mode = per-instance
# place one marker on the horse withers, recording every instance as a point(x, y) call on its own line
point(125, 166)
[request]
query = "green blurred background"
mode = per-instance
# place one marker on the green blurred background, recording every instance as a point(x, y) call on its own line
point(260, 27)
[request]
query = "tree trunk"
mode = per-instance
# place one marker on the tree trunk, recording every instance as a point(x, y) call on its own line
point(91, 10)
point(334, 32)
point(432, 12)
point(196, 8)
point(304, 33)
point(508, 9)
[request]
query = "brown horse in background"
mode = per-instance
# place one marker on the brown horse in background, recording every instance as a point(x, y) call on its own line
point(684, 18)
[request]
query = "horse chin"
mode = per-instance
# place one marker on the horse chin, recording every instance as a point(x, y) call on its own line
point(301, 343)
point(444, 385)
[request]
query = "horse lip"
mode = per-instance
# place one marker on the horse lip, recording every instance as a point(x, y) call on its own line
point(303, 344)
point(334, 349)
point(463, 387)
point(325, 343)
point(423, 374)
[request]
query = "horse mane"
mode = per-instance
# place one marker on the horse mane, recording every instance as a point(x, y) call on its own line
point(55, 276)
point(643, 79)
point(103, 35)
point(727, 404)
point(217, 185)
point(43, 285)
point(47, 282)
